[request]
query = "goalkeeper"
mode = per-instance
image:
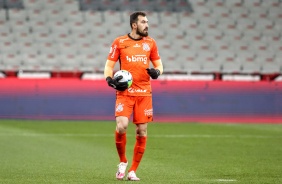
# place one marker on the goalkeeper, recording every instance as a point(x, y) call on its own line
point(134, 51)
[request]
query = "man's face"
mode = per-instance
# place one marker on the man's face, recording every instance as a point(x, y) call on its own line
point(142, 26)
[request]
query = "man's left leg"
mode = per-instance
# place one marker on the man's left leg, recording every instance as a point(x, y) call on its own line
point(139, 149)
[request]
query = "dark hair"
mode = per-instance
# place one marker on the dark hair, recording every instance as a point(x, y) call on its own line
point(134, 17)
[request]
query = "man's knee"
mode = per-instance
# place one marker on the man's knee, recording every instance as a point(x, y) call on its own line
point(122, 124)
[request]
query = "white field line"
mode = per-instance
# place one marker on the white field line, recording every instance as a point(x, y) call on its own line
point(131, 135)
point(226, 180)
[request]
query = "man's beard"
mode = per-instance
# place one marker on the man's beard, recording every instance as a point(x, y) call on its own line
point(143, 34)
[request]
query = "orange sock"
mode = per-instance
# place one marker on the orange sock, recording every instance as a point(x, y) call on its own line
point(139, 150)
point(120, 145)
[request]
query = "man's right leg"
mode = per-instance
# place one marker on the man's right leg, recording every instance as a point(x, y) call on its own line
point(120, 139)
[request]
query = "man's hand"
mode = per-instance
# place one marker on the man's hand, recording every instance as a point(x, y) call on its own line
point(114, 83)
point(154, 73)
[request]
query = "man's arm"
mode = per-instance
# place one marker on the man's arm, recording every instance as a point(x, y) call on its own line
point(108, 74)
point(109, 68)
point(158, 65)
point(157, 70)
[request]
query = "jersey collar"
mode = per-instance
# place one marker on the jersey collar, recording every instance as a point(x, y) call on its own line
point(134, 38)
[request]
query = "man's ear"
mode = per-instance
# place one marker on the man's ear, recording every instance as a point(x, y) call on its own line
point(134, 25)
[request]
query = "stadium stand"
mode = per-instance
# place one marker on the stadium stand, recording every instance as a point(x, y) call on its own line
point(206, 36)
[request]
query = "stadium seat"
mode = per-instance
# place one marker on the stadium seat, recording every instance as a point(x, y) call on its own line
point(61, 37)
point(70, 5)
point(252, 3)
point(8, 48)
point(211, 67)
point(233, 3)
point(112, 18)
point(157, 33)
point(52, 5)
point(39, 26)
point(11, 61)
point(250, 68)
point(65, 48)
point(215, 4)
point(5, 36)
point(265, 57)
point(172, 67)
point(194, 34)
point(92, 62)
point(19, 26)
point(23, 37)
point(49, 62)
point(275, 12)
point(185, 56)
point(207, 56)
point(47, 47)
point(201, 45)
point(219, 12)
point(264, 24)
point(270, 3)
point(54, 15)
point(270, 68)
point(30, 62)
point(93, 17)
point(245, 24)
point(17, 14)
point(36, 15)
point(168, 17)
point(219, 45)
point(245, 56)
point(80, 38)
point(192, 67)
point(69, 62)
point(73, 15)
point(202, 11)
point(33, 4)
point(231, 35)
point(252, 35)
point(207, 23)
point(231, 67)
point(58, 27)
point(27, 48)
point(240, 46)
point(43, 37)
point(257, 12)
point(224, 56)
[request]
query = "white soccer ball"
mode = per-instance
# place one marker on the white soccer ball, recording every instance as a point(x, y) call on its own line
point(127, 77)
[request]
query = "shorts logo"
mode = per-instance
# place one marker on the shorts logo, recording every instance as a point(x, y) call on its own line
point(146, 47)
point(148, 112)
point(119, 107)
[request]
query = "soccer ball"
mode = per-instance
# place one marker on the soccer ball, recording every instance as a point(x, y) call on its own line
point(127, 77)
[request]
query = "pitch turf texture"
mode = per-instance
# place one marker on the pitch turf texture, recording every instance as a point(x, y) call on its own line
point(37, 152)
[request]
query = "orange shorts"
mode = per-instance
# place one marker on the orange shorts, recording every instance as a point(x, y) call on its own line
point(140, 106)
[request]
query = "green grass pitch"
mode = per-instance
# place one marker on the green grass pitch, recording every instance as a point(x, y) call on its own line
point(83, 152)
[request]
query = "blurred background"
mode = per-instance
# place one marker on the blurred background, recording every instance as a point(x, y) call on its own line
point(207, 46)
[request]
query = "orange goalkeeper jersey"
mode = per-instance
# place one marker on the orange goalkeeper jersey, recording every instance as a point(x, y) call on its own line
point(135, 56)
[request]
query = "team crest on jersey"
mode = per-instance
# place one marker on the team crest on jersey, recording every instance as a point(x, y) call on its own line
point(119, 107)
point(146, 47)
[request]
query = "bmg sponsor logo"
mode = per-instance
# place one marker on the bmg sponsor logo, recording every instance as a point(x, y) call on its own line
point(137, 58)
